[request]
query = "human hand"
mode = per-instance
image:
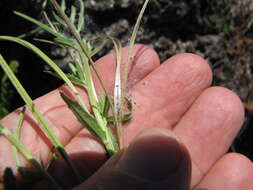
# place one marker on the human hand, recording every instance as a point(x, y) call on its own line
point(175, 96)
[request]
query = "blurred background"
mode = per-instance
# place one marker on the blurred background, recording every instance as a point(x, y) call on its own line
point(221, 31)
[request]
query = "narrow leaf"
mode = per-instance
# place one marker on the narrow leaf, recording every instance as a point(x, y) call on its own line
point(59, 20)
point(76, 80)
point(44, 57)
point(73, 15)
point(30, 33)
point(38, 23)
point(84, 117)
point(98, 48)
point(17, 133)
point(63, 5)
point(103, 105)
point(64, 41)
point(125, 119)
point(81, 19)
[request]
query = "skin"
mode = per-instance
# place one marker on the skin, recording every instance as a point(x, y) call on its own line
point(178, 138)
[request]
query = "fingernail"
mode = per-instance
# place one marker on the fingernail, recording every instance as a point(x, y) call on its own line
point(154, 156)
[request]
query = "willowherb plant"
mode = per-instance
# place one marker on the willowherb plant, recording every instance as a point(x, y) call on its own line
point(97, 119)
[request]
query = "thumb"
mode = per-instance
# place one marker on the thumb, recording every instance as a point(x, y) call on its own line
point(154, 160)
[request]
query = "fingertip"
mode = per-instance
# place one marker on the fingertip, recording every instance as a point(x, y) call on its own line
point(194, 61)
point(211, 124)
point(145, 53)
point(238, 168)
point(227, 101)
point(233, 171)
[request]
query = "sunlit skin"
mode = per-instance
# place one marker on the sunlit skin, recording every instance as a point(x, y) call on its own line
point(175, 96)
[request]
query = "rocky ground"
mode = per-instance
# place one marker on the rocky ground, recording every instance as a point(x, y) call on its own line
point(219, 30)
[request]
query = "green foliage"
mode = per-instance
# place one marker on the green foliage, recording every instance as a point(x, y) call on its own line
point(6, 92)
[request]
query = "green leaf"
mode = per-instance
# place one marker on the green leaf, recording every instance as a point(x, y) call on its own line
point(72, 68)
point(30, 33)
point(38, 23)
point(129, 104)
point(43, 56)
point(81, 19)
point(44, 4)
point(99, 47)
point(1, 129)
point(6, 92)
point(80, 71)
point(76, 80)
point(103, 105)
point(84, 117)
point(63, 5)
point(126, 118)
point(59, 20)
point(114, 142)
point(17, 133)
point(64, 41)
point(73, 15)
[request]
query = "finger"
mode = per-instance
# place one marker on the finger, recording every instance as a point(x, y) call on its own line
point(164, 95)
point(233, 171)
point(154, 160)
point(59, 116)
point(209, 127)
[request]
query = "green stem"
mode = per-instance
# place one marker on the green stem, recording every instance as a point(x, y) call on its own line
point(70, 163)
point(79, 40)
point(130, 52)
point(49, 132)
point(21, 148)
point(28, 101)
point(108, 141)
point(17, 134)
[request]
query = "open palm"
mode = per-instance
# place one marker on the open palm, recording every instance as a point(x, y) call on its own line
point(175, 96)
